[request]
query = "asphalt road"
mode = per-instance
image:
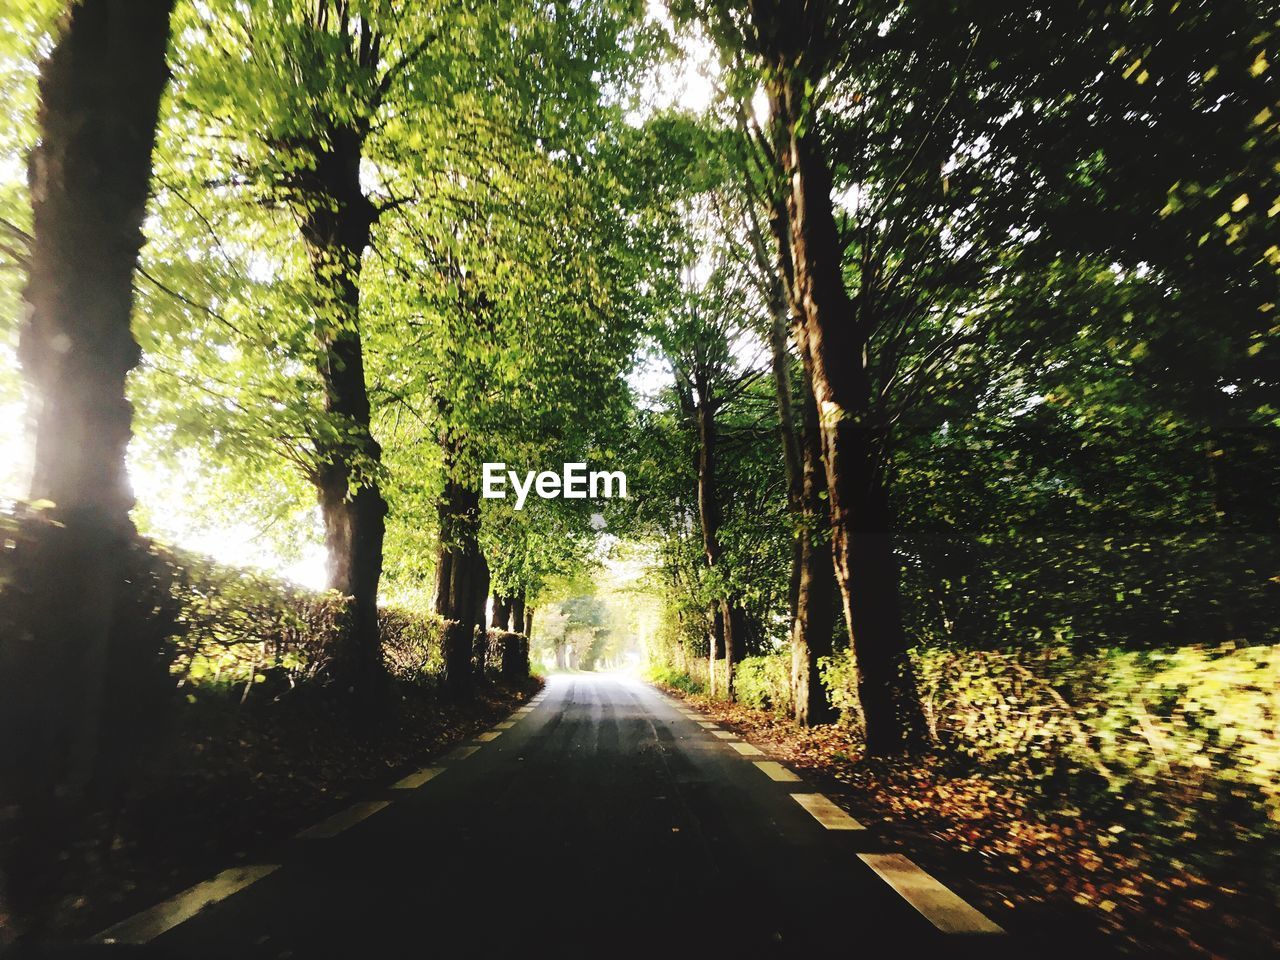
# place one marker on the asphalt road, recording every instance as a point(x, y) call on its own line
point(602, 821)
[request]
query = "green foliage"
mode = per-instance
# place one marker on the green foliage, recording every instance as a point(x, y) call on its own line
point(221, 628)
point(236, 627)
point(1167, 734)
point(764, 683)
point(676, 679)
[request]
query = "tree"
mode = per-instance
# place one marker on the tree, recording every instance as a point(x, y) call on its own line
point(812, 586)
point(438, 299)
point(925, 170)
point(89, 176)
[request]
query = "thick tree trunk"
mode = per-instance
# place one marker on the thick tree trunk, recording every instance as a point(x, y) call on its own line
point(354, 530)
point(834, 343)
point(812, 575)
point(502, 613)
point(813, 626)
point(336, 219)
point(461, 573)
point(729, 619)
point(89, 175)
point(456, 643)
point(735, 640)
point(528, 621)
point(515, 657)
point(852, 446)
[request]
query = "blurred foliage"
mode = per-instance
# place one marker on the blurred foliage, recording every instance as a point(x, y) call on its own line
point(764, 683)
point(1169, 734)
point(1172, 735)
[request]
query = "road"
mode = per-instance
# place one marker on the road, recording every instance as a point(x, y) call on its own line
point(604, 819)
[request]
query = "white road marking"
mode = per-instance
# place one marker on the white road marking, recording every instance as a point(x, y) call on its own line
point(708, 725)
point(776, 771)
point(937, 904)
point(504, 725)
point(149, 924)
point(488, 735)
point(460, 753)
point(415, 780)
point(826, 812)
point(747, 749)
point(349, 817)
point(724, 734)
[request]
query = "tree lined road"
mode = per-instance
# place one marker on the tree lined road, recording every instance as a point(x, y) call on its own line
point(604, 818)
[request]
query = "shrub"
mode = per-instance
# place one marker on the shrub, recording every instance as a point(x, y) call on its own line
point(677, 679)
point(765, 682)
point(412, 644)
point(1157, 731)
point(221, 627)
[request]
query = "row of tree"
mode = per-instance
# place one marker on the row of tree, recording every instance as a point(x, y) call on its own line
point(981, 255)
point(919, 280)
point(384, 245)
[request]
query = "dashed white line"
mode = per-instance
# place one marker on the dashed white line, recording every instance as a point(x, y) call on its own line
point(460, 753)
point(724, 734)
point(708, 725)
point(149, 924)
point(747, 749)
point(349, 817)
point(488, 735)
point(776, 771)
point(504, 725)
point(825, 812)
point(936, 903)
point(415, 780)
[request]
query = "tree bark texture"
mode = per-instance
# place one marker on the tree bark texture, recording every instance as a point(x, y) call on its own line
point(89, 175)
point(336, 220)
point(835, 342)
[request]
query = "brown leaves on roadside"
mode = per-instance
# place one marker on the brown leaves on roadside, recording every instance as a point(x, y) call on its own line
point(1025, 852)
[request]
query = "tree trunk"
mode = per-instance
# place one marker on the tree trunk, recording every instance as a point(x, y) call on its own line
point(89, 175)
point(456, 642)
point(834, 344)
point(528, 621)
point(501, 613)
point(852, 448)
point(729, 620)
point(480, 594)
point(813, 626)
point(812, 575)
point(789, 437)
point(354, 529)
point(715, 646)
point(735, 640)
point(518, 614)
point(460, 577)
point(336, 219)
